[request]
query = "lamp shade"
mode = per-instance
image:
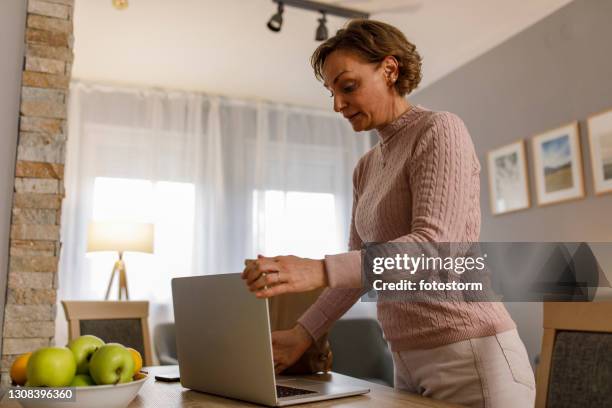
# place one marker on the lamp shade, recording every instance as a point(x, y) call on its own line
point(120, 237)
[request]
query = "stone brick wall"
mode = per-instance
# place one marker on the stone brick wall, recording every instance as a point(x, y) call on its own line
point(29, 320)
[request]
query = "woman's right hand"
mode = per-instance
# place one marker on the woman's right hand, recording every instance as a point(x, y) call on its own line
point(288, 346)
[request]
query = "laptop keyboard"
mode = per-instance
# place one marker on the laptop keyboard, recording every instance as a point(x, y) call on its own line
point(282, 391)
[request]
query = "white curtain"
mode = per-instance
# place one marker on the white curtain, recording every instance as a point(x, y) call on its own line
point(222, 180)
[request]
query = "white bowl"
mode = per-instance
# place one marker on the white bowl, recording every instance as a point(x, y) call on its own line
point(95, 396)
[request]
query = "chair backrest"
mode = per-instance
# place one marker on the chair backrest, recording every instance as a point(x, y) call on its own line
point(576, 360)
point(361, 351)
point(164, 338)
point(124, 322)
point(284, 311)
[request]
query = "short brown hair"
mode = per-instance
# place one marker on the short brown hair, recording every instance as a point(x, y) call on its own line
point(373, 41)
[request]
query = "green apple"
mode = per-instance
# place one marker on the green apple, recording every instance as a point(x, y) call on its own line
point(82, 380)
point(83, 348)
point(51, 367)
point(111, 364)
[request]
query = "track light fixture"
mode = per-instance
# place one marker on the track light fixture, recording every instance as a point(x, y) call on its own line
point(276, 21)
point(321, 34)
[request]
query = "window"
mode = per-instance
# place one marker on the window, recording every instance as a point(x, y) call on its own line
point(284, 223)
point(295, 223)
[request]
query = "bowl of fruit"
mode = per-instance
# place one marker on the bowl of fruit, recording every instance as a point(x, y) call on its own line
point(86, 373)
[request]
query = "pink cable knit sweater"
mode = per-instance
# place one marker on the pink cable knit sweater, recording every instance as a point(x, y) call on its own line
point(419, 183)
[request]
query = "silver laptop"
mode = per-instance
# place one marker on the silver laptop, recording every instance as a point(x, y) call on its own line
point(224, 345)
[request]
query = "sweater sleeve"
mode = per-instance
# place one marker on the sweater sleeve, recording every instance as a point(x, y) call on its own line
point(334, 302)
point(440, 175)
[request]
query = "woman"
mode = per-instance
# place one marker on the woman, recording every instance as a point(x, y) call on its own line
point(420, 183)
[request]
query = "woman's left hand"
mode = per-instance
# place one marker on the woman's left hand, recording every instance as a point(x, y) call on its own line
point(283, 274)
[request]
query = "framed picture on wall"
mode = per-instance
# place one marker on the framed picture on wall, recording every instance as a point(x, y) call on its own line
point(600, 142)
point(508, 185)
point(557, 160)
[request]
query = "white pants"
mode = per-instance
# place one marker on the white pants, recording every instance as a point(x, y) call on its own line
point(485, 372)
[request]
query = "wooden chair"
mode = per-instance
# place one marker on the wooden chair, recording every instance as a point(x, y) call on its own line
point(124, 322)
point(576, 360)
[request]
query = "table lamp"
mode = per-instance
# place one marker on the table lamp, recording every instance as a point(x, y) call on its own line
point(120, 237)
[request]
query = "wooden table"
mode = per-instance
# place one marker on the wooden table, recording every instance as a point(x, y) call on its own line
point(156, 394)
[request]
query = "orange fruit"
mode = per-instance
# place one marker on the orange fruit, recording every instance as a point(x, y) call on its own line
point(19, 369)
point(137, 360)
point(139, 376)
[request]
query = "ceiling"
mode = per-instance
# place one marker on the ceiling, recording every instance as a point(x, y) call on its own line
point(224, 48)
